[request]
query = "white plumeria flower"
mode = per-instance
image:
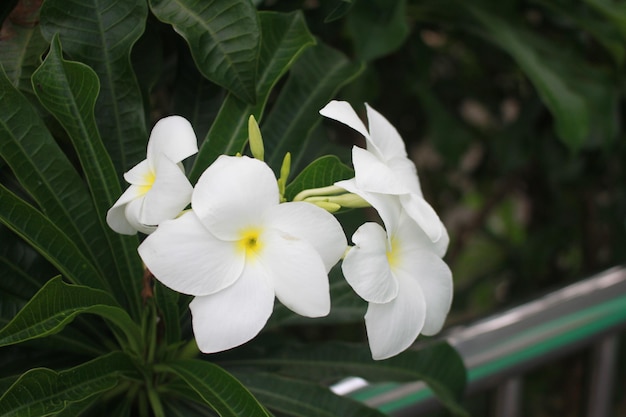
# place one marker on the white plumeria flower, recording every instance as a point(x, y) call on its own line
point(384, 166)
point(407, 285)
point(158, 189)
point(238, 248)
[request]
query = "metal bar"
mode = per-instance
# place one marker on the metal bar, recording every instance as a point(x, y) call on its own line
point(604, 358)
point(504, 345)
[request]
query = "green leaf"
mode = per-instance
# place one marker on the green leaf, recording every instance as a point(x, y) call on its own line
point(223, 36)
point(341, 9)
point(44, 236)
point(218, 388)
point(21, 48)
point(167, 302)
point(613, 11)
point(45, 172)
point(57, 304)
point(194, 97)
point(437, 364)
point(292, 397)
point(101, 35)
point(285, 37)
point(313, 81)
point(42, 392)
point(608, 36)
point(567, 105)
point(377, 27)
point(322, 172)
point(68, 90)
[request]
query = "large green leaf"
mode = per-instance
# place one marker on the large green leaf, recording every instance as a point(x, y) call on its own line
point(57, 304)
point(68, 90)
point(223, 36)
point(313, 81)
point(377, 27)
point(218, 388)
point(194, 97)
point(297, 398)
point(42, 392)
point(285, 36)
point(101, 35)
point(21, 47)
point(46, 238)
point(566, 103)
point(47, 175)
point(437, 364)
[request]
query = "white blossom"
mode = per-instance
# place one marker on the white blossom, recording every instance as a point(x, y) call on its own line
point(238, 248)
point(158, 189)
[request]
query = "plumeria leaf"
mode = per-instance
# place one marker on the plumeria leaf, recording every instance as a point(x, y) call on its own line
point(322, 172)
point(44, 236)
point(297, 398)
point(378, 27)
point(57, 304)
point(217, 388)
point(194, 97)
point(167, 301)
point(101, 35)
point(42, 392)
point(437, 364)
point(568, 106)
point(313, 81)
point(68, 90)
point(21, 47)
point(223, 36)
point(48, 176)
point(285, 37)
point(341, 9)
point(22, 271)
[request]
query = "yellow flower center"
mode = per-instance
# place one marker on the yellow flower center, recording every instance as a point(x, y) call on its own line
point(249, 242)
point(148, 180)
point(393, 257)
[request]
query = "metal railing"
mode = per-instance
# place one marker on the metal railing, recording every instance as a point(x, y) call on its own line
point(499, 350)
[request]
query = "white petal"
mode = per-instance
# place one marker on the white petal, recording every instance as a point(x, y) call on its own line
point(374, 175)
point(423, 214)
point(169, 195)
point(384, 136)
point(405, 172)
point(297, 272)
point(366, 267)
point(313, 224)
point(116, 216)
point(234, 315)
point(387, 206)
point(233, 194)
point(435, 279)
point(174, 137)
point(392, 327)
point(140, 174)
point(184, 256)
point(343, 112)
point(133, 213)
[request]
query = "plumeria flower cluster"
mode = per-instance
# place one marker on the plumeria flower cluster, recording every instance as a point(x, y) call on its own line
point(233, 243)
